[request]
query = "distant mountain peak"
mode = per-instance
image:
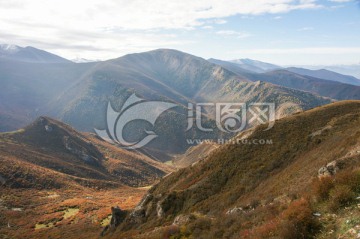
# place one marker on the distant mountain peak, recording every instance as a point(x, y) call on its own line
point(255, 65)
point(83, 60)
point(9, 48)
point(28, 54)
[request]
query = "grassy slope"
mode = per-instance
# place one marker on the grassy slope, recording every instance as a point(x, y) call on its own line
point(44, 180)
point(237, 175)
point(33, 149)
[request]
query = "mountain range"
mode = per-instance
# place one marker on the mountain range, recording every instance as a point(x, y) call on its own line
point(78, 94)
point(58, 179)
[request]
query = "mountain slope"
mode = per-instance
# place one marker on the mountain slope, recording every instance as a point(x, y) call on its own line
point(326, 75)
point(50, 154)
point(171, 76)
point(78, 94)
point(247, 185)
point(324, 87)
point(58, 183)
point(255, 66)
point(26, 89)
point(29, 54)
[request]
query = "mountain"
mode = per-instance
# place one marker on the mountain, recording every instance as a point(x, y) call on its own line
point(326, 75)
point(83, 60)
point(234, 67)
point(255, 66)
point(59, 183)
point(79, 94)
point(301, 182)
point(29, 54)
point(171, 76)
point(49, 147)
point(26, 89)
point(283, 77)
point(352, 70)
point(326, 88)
point(194, 154)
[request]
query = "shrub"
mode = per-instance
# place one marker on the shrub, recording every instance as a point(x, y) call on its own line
point(199, 228)
point(322, 187)
point(170, 231)
point(340, 196)
point(350, 178)
point(298, 221)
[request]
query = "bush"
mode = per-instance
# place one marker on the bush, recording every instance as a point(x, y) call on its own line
point(350, 178)
point(322, 187)
point(340, 196)
point(298, 221)
point(170, 231)
point(199, 228)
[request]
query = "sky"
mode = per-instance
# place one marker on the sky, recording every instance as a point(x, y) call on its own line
point(284, 32)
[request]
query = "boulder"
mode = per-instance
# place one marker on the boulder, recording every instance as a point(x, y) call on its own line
point(117, 217)
point(329, 169)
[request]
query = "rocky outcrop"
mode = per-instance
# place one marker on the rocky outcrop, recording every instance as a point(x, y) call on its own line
point(117, 217)
point(78, 150)
point(139, 213)
point(159, 210)
point(329, 169)
point(183, 219)
point(235, 210)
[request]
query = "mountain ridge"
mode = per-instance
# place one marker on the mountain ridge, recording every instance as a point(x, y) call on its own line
point(29, 54)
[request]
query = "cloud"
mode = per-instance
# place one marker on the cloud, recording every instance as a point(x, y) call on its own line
point(117, 24)
point(305, 29)
point(340, 1)
point(306, 51)
point(233, 33)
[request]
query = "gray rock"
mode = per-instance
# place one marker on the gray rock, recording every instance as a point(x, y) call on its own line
point(235, 210)
point(183, 219)
point(159, 210)
point(328, 170)
point(117, 217)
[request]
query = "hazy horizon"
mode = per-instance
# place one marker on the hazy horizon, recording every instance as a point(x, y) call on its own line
point(283, 32)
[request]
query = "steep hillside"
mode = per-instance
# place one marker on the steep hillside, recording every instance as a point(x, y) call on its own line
point(26, 88)
point(194, 154)
point(327, 84)
point(325, 88)
point(50, 154)
point(58, 183)
point(326, 75)
point(255, 66)
point(250, 190)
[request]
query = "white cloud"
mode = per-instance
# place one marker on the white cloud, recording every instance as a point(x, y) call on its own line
point(340, 1)
point(233, 33)
point(305, 29)
point(106, 27)
point(207, 27)
point(306, 51)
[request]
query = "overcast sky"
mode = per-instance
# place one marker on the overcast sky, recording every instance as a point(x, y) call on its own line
point(285, 32)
